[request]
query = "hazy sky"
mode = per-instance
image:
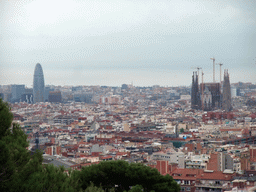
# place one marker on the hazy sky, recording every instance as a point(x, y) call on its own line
point(111, 42)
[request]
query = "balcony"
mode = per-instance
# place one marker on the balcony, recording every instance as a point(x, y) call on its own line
point(209, 186)
point(205, 189)
point(193, 163)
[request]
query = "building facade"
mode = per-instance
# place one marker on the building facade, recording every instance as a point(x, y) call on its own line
point(195, 96)
point(207, 96)
point(211, 96)
point(17, 92)
point(38, 84)
point(54, 96)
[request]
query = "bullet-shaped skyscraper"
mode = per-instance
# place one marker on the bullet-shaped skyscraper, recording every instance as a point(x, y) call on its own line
point(38, 84)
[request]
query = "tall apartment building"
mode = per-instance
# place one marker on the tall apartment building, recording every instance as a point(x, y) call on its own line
point(54, 96)
point(17, 91)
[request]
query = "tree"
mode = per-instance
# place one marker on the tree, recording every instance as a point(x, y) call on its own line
point(5, 118)
point(136, 188)
point(123, 176)
point(93, 188)
point(50, 178)
point(5, 157)
point(15, 159)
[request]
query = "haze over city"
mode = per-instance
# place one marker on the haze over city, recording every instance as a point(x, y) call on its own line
point(128, 95)
point(115, 42)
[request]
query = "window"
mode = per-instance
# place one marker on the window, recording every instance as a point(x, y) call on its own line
point(188, 189)
point(217, 182)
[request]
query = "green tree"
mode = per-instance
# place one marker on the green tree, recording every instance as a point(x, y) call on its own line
point(5, 118)
point(15, 159)
point(136, 188)
point(123, 176)
point(5, 123)
point(93, 188)
point(50, 178)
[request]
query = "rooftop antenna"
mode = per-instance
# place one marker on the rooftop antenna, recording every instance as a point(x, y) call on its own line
point(213, 59)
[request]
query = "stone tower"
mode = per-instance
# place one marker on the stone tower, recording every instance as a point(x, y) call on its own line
point(226, 99)
point(195, 99)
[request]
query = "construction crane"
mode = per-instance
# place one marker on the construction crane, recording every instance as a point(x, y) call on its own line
point(213, 59)
point(198, 68)
point(202, 88)
point(220, 64)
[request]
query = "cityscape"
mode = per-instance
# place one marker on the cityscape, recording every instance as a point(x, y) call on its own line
point(206, 130)
point(128, 96)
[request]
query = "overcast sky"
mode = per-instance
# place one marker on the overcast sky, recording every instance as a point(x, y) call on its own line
point(111, 42)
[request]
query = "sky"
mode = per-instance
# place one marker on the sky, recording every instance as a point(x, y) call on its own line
point(112, 42)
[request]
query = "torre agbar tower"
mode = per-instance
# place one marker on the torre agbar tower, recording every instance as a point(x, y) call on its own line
point(38, 84)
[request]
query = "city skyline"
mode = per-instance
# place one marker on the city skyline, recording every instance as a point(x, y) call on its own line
point(39, 72)
point(124, 42)
point(207, 79)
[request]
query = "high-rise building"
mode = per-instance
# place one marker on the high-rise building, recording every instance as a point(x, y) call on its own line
point(7, 97)
point(27, 96)
point(17, 92)
point(47, 90)
point(54, 96)
point(38, 84)
point(226, 101)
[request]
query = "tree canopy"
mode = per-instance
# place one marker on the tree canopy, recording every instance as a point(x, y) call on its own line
point(16, 163)
point(123, 176)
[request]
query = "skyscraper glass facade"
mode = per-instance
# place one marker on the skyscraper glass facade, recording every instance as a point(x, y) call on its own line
point(38, 84)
